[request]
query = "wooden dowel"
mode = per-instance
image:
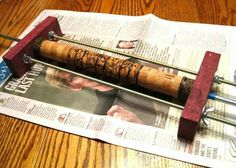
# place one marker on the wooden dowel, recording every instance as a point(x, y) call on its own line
point(121, 69)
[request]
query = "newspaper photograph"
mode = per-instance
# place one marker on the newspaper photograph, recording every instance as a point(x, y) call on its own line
point(60, 100)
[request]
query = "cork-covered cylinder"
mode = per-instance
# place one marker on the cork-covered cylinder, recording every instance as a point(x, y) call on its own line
point(121, 69)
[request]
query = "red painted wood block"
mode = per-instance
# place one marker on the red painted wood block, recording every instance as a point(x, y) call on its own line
point(192, 112)
point(14, 57)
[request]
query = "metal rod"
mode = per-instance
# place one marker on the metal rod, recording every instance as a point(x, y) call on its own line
point(222, 120)
point(32, 60)
point(226, 100)
point(214, 96)
point(9, 37)
point(227, 82)
point(52, 35)
point(28, 59)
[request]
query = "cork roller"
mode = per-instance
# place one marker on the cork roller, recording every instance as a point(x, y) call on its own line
point(121, 69)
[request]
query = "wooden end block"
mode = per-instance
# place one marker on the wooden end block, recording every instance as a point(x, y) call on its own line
point(14, 57)
point(192, 112)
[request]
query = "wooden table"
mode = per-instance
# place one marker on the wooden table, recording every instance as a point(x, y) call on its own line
point(24, 144)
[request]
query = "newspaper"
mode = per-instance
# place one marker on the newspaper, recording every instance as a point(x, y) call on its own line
point(100, 112)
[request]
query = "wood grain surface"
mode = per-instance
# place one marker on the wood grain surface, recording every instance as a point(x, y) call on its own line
point(23, 144)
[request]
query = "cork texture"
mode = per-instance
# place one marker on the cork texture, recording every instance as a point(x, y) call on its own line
point(121, 69)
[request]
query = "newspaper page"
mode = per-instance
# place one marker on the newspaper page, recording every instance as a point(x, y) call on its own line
point(66, 102)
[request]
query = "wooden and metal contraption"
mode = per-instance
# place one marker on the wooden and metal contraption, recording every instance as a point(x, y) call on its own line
point(40, 42)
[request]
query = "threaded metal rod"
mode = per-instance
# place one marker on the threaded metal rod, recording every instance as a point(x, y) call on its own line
point(53, 36)
point(9, 37)
point(28, 59)
point(222, 120)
